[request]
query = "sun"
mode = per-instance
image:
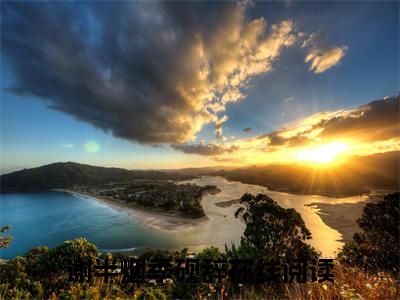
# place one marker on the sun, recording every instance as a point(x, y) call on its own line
point(322, 154)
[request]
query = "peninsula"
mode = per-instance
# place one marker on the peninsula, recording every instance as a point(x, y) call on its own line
point(162, 195)
point(151, 190)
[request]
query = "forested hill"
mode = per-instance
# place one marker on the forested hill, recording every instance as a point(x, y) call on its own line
point(357, 176)
point(67, 174)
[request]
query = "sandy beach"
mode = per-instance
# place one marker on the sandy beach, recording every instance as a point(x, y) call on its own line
point(331, 221)
point(153, 218)
point(341, 216)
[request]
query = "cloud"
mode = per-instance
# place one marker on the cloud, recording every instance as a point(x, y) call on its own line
point(233, 160)
point(150, 72)
point(288, 99)
point(322, 55)
point(218, 126)
point(378, 120)
point(205, 149)
point(276, 139)
point(324, 59)
point(373, 122)
point(367, 129)
point(311, 40)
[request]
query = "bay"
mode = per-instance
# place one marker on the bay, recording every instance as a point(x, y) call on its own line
point(51, 217)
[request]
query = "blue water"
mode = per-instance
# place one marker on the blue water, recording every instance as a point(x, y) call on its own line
point(49, 218)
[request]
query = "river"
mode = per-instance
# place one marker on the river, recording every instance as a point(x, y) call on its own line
point(50, 217)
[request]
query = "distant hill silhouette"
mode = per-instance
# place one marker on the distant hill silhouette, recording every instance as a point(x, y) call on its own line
point(360, 174)
point(67, 174)
point(384, 164)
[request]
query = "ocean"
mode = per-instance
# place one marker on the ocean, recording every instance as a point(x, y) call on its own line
point(51, 217)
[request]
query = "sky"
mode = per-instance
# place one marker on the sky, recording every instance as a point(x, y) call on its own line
point(173, 84)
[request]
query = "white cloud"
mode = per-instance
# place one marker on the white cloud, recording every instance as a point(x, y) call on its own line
point(218, 126)
point(324, 59)
point(288, 99)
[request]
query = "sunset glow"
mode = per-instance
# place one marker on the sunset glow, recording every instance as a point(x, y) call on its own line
point(322, 154)
point(254, 86)
point(235, 134)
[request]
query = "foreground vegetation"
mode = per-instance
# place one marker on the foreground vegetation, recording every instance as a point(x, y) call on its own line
point(367, 268)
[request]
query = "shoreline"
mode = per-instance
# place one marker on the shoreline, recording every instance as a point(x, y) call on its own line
point(152, 218)
point(341, 216)
point(338, 216)
point(219, 225)
point(289, 191)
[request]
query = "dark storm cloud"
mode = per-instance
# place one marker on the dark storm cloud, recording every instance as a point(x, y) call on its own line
point(151, 72)
point(378, 120)
point(99, 65)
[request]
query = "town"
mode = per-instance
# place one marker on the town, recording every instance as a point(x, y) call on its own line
point(164, 194)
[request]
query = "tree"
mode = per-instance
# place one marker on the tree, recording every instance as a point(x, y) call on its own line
point(5, 239)
point(272, 232)
point(377, 247)
point(56, 261)
point(42, 271)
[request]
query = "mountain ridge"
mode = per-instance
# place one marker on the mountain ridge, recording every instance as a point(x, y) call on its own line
point(67, 174)
point(360, 175)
